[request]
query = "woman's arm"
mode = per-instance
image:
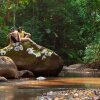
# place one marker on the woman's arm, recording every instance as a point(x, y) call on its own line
point(27, 34)
point(19, 38)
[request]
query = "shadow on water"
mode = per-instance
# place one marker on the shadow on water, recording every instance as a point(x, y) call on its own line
point(30, 89)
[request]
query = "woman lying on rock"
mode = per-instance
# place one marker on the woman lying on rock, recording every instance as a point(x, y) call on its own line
point(21, 36)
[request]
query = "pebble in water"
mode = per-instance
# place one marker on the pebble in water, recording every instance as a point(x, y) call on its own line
point(72, 94)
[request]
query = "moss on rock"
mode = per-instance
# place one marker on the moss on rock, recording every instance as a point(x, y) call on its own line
point(28, 57)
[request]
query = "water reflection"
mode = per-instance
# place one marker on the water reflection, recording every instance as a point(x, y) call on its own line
point(31, 89)
point(6, 96)
point(22, 94)
point(19, 94)
point(43, 94)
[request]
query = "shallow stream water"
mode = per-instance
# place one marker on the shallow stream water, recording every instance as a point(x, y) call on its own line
point(32, 89)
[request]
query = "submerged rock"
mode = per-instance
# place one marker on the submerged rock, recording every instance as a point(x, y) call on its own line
point(72, 94)
point(42, 62)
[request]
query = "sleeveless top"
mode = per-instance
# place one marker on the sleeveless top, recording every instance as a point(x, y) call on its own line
point(22, 34)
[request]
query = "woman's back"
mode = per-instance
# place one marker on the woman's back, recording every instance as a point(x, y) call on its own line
point(14, 36)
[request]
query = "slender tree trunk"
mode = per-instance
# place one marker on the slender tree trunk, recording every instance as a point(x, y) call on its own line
point(14, 18)
point(7, 16)
point(16, 2)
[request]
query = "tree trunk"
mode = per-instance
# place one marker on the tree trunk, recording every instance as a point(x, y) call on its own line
point(14, 18)
point(7, 16)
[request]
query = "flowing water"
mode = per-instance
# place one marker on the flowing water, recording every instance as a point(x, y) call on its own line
point(31, 89)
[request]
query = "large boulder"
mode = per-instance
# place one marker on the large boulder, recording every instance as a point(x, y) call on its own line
point(8, 68)
point(42, 62)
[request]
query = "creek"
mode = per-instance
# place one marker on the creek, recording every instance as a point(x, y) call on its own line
point(31, 89)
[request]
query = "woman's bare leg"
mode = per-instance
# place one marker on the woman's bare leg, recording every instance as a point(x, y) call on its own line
point(28, 36)
point(28, 39)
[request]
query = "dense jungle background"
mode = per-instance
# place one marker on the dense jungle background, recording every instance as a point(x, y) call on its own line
point(69, 27)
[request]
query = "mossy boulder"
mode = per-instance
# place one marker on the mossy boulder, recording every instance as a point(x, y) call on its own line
point(42, 62)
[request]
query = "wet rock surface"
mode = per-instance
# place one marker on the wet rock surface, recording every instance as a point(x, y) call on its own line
point(81, 70)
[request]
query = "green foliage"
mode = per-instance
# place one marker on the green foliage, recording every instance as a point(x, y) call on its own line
point(65, 26)
point(1, 20)
point(3, 36)
point(36, 35)
point(92, 53)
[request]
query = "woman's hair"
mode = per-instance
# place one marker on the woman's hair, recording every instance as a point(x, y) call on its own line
point(20, 29)
point(12, 29)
